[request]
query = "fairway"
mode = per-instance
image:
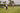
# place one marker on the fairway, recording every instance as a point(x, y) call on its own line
point(10, 10)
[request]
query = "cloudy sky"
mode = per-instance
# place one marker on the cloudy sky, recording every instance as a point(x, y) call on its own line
point(7, 2)
point(16, 1)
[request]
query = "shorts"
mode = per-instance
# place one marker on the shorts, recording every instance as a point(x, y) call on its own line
point(6, 7)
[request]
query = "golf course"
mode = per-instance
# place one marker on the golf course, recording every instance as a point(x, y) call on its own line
point(16, 9)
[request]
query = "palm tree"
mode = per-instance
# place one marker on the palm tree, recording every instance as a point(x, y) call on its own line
point(0, 1)
point(4, 3)
point(10, 2)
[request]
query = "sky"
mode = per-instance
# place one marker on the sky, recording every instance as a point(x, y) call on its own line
point(15, 1)
point(7, 2)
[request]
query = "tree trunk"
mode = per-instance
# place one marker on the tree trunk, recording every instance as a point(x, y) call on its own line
point(10, 3)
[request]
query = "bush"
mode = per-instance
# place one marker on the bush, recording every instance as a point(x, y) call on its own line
point(1, 4)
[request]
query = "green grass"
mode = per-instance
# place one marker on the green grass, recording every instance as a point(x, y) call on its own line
point(10, 10)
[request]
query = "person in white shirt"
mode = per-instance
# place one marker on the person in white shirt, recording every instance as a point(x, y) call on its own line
point(6, 6)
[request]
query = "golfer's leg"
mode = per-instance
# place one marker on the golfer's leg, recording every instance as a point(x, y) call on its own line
point(6, 8)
